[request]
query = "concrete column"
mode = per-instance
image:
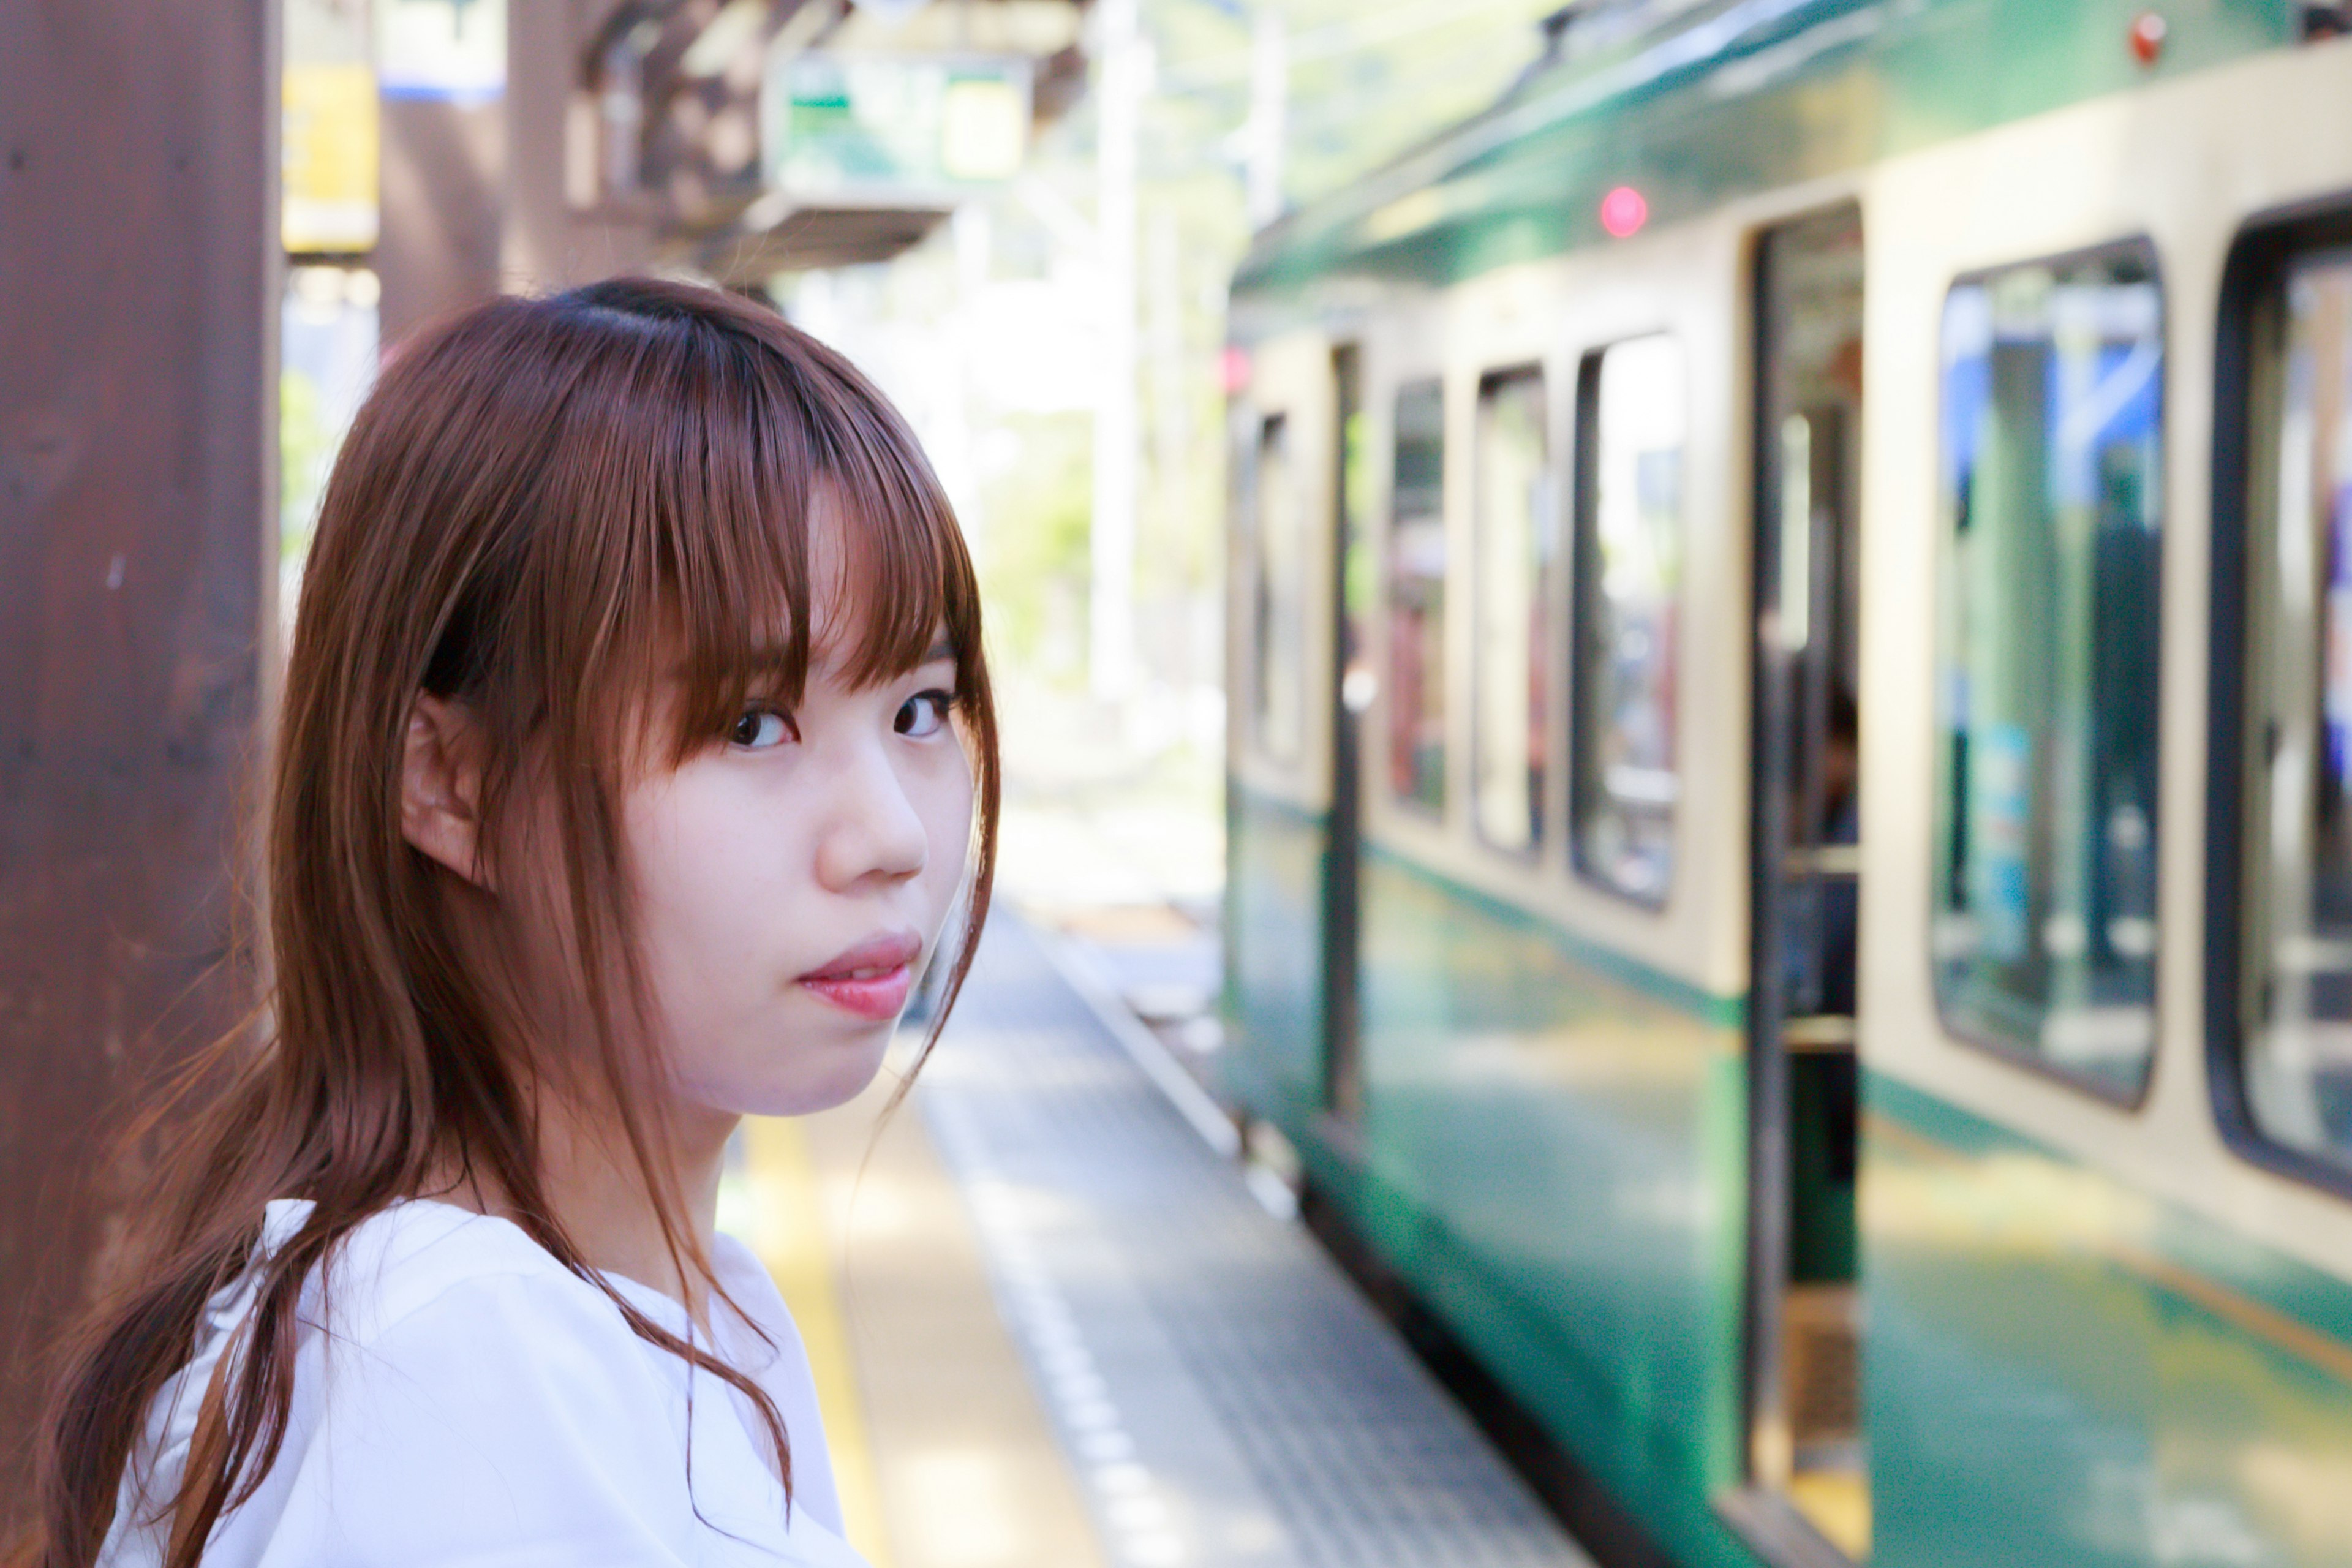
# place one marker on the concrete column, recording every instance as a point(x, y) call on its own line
point(138, 520)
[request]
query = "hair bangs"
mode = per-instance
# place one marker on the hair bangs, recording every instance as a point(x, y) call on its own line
point(800, 521)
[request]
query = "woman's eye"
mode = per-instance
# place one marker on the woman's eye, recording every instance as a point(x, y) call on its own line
point(924, 713)
point(759, 728)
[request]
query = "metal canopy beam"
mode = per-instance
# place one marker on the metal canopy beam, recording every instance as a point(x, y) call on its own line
point(817, 237)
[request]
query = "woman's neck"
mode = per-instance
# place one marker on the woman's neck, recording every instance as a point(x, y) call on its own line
point(600, 1195)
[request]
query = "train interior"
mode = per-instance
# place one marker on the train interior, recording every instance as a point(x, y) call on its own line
point(1806, 1464)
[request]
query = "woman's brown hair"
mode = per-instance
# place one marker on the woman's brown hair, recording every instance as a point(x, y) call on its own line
point(540, 513)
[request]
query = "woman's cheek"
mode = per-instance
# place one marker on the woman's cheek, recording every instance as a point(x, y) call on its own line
point(710, 867)
point(949, 831)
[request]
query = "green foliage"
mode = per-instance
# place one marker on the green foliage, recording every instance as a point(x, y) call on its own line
point(305, 444)
point(1033, 555)
point(1367, 82)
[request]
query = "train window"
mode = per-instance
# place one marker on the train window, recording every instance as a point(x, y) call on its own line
point(1631, 418)
point(1517, 543)
point(2044, 926)
point(1278, 607)
point(1417, 599)
point(2297, 1060)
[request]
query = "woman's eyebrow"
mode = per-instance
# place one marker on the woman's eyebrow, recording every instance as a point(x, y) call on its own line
point(938, 651)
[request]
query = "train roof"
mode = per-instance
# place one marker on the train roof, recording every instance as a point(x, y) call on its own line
point(1694, 102)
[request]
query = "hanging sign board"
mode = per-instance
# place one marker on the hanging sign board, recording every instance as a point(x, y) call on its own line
point(881, 126)
point(448, 50)
point(329, 153)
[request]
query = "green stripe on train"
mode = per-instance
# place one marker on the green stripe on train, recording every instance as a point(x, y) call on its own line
point(2059, 1370)
point(1729, 1012)
point(1552, 1154)
point(2063, 1370)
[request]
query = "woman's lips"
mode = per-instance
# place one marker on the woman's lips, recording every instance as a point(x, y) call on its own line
point(882, 997)
point(872, 979)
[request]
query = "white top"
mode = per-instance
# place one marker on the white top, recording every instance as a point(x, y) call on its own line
point(476, 1402)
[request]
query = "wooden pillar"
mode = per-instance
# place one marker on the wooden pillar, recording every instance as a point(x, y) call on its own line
point(139, 265)
point(548, 244)
point(444, 178)
point(474, 188)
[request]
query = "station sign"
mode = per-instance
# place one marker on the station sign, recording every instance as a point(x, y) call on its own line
point(868, 128)
point(329, 149)
point(446, 50)
point(330, 134)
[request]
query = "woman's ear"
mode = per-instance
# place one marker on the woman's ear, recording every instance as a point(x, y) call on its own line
point(441, 786)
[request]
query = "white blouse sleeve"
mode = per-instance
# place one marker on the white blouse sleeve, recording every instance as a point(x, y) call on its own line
point(513, 1421)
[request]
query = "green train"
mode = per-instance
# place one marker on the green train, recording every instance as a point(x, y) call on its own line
point(1791, 770)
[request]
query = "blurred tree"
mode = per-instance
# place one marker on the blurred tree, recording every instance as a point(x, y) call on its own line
point(1034, 555)
point(990, 332)
point(1365, 83)
point(305, 443)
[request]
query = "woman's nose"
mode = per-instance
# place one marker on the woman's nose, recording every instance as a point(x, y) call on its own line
point(873, 829)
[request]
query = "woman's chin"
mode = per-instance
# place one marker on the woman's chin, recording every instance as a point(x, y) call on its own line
point(824, 1078)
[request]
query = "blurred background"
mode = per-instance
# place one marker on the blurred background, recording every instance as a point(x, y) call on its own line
point(1676, 679)
point(1020, 217)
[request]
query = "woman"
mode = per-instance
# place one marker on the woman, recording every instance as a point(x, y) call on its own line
point(636, 747)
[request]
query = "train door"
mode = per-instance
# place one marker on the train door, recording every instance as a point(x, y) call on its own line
point(1354, 685)
point(1808, 1501)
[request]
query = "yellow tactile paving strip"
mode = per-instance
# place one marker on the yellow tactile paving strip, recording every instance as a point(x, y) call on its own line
point(944, 1456)
point(783, 1222)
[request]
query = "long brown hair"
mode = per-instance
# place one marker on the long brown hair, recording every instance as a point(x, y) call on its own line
point(537, 508)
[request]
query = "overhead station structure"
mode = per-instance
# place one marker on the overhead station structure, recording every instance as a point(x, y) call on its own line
point(456, 148)
point(762, 136)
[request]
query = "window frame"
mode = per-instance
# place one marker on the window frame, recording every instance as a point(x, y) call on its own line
point(2264, 248)
point(1266, 426)
point(2142, 248)
point(1581, 550)
point(1491, 380)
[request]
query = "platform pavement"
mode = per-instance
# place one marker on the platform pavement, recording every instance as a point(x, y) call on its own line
point(1210, 1388)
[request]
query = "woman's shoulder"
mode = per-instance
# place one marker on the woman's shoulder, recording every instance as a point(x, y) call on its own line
point(435, 1318)
point(462, 1321)
point(419, 1257)
point(443, 1354)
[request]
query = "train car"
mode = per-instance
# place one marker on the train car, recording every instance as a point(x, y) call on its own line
point(1790, 810)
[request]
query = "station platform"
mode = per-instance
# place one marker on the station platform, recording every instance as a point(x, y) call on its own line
point(1054, 1326)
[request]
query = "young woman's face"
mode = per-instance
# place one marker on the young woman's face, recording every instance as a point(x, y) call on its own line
point(794, 878)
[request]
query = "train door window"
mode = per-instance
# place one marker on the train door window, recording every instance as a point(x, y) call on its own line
point(1278, 598)
point(1807, 1462)
point(1516, 541)
point(2297, 1050)
point(2044, 926)
point(1417, 707)
point(1632, 417)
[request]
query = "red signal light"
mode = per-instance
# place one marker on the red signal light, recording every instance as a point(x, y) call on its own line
point(2148, 31)
point(1624, 211)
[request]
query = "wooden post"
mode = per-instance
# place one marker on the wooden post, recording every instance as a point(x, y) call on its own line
point(546, 244)
point(444, 196)
point(138, 266)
